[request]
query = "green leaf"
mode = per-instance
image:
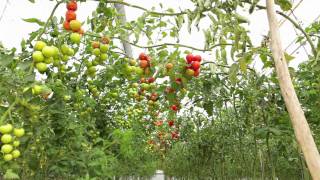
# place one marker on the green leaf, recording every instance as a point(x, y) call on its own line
point(208, 106)
point(288, 57)
point(233, 73)
point(243, 65)
point(11, 175)
point(34, 20)
point(32, 1)
point(285, 5)
point(5, 59)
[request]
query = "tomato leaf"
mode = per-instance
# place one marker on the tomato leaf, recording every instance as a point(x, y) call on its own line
point(34, 20)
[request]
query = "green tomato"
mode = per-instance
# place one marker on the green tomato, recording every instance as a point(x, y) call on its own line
point(16, 143)
point(75, 38)
point(8, 157)
point(6, 138)
point(88, 63)
point(132, 62)
point(56, 51)
point(48, 51)
point(135, 85)
point(96, 52)
point(48, 60)
point(65, 58)
point(16, 153)
point(94, 90)
point(6, 148)
point(66, 98)
point(64, 49)
point(104, 48)
point(37, 56)
point(139, 71)
point(95, 62)
point(56, 62)
point(37, 90)
point(70, 52)
point(103, 57)
point(18, 132)
point(63, 67)
point(92, 70)
point(5, 129)
point(42, 67)
point(39, 45)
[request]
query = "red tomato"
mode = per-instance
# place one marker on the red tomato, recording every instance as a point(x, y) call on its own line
point(178, 80)
point(197, 58)
point(66, 25)
point(174, 108)
point(71, 15)
point(144, 64)
point(158, 123)
point(72, 5)
point(196, 73)
point(195, 65)
point(189, 58)
point(151, 80)
point(171, 123)
point(143, 56)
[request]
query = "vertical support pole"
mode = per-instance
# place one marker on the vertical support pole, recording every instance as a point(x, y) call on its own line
point(298, 119)
point(126, 46)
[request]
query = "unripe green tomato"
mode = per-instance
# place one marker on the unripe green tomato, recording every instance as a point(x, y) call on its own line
point(63, 67)
point(88, 63)
point(5, 129)
point(92, 70)
point(66, 98)
point(103, 57)
point(48, 60)
point(6, 148)
point(96, 52)
point(95, 62)
point(39, 45)
point(16, 153)
point(6, 138)
point(18, 132)
point(70, 52)
point(132, 62)
point(135, 85)
point(48, 51)
point(36, 90)
point(37, 56)
point(94, 90)
point(56, 62)
point(65, 49)
point(65, 58)
point(16, 143)
point(104, 48)
point(8, 157)
point(75, 38)
point(139, 71)
point(56, 52)
point(42, 67)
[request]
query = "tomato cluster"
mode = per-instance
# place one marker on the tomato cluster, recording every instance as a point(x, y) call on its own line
point(71, 23)
point(44, 55)
point(9, 141)
point(193, 65)
point(99, 50)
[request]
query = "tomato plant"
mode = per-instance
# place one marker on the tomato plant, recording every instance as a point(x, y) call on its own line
point(75, 105)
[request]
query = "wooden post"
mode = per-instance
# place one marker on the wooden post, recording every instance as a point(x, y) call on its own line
point(126, 46)
point(298, 119)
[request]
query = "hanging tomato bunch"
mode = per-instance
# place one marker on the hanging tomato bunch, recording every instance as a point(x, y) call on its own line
point(10, 141)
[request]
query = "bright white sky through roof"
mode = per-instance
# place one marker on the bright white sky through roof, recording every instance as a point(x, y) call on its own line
point(13, 28)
